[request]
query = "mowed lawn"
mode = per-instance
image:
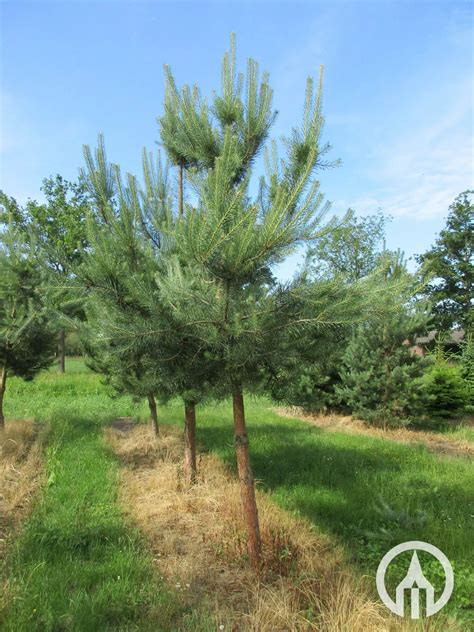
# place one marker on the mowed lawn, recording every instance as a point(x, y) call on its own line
point(368, 493)
point(77, 564)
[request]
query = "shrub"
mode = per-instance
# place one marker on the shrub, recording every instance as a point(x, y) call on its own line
point(445, 391)
point(467, 368)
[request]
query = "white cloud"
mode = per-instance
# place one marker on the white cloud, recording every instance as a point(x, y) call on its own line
point(421, 173)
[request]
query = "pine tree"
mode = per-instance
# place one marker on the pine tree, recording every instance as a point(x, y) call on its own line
point(445, 392)
point(26, 338)
point(380, 374)
point(200, 291)
point(185, 110)
point(127, 371)
point(126, 256)
point(225, 293)
point(117, 233)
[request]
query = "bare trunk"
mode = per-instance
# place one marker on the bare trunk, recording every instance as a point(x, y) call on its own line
point(247, 487)
point(3, 384)
point(62, 351)
point(190, 442)
point(153, 414)
point(181, 191)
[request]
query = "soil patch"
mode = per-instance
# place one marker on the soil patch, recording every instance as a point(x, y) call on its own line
point(123, 424)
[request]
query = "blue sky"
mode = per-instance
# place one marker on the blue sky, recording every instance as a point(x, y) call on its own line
point(398, 93)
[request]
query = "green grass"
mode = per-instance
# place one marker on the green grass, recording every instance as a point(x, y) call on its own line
point(462, 432)
point(367, 493)
point(77, 565)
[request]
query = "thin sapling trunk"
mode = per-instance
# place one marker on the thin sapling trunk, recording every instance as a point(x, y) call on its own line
point(247, 486)
point(190, 467)
point(181, 191)
point(153, 414)
point(3, 384)
point(62, 351)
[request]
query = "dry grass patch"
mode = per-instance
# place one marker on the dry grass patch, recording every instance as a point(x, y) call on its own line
point(198, 540)
point(20, 474)
point(345, 423)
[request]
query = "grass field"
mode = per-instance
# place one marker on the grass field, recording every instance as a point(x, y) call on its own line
point(78, 561)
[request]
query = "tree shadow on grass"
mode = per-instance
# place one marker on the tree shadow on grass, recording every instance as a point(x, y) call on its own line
point(359, 489)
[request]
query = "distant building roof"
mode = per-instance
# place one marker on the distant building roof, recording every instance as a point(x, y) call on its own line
point(455, 337)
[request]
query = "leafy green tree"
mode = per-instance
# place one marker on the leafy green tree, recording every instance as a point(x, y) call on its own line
point(379, 372)
point(450, 265)
point(59, 223)
point(26, 340)
point(60, 227)
point(352, 250)
point(309, 373)
point(10, 211)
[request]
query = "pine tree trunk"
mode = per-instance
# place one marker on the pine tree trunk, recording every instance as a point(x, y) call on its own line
point(3, 384)
point(153, 414)
point(190, 467)
point(181, 191)
point(247, 487)
point(62, 351)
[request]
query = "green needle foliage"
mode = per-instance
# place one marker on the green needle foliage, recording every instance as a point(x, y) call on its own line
point(120, 228)
point(192, 293)
point(26, 337)
point(218, 282)
point(380, 374)
point(127, 242)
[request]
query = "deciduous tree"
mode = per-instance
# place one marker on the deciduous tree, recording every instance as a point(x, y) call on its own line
point(450, 266)
point(26, 337)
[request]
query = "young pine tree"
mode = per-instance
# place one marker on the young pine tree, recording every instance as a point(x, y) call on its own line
point(380, 374)
point(446, 392)
point(127, 255)
point(219, 282)
point(121, 227)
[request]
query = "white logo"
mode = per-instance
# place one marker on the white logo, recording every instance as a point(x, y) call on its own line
point(414, 581)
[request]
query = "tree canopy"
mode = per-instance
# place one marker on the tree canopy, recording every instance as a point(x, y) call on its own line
point(449, 265)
